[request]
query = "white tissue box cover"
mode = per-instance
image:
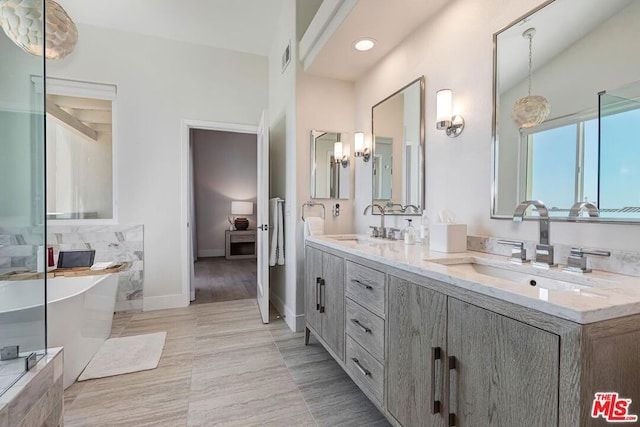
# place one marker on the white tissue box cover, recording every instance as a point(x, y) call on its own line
point(448, 238)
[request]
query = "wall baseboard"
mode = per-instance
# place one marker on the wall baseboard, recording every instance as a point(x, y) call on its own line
point(205, 253)
point(294, 321)
point(163, 302)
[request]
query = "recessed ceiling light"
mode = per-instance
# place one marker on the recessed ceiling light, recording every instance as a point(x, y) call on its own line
point(364, 44)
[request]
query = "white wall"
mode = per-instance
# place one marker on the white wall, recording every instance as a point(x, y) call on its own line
point(454, 50)
point(225, 169)
point(159, 83)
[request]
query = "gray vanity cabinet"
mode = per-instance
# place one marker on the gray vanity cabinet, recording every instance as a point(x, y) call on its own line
point(453, 363)
point(502, 372)
point(416, 321)
point(324, 298)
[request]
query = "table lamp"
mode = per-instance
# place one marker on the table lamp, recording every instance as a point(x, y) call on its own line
point(241, 208)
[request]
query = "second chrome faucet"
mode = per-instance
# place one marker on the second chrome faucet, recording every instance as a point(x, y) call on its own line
point(544, 250)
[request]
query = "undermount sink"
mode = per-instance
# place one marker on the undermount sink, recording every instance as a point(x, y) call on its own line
point(523, 277)
point(358, 239)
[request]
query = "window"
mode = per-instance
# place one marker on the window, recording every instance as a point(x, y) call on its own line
point(80, 151)
point(567, 161)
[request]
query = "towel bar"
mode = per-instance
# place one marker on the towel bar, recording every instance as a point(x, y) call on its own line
point(311, 203)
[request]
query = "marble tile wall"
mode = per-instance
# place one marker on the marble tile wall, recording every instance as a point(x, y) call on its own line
point(119, 243)
point(622, 262)
point(37, 399)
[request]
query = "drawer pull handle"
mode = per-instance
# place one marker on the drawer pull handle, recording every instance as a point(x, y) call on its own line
point(364, 285)
point(364, 371)
point(361, 326)
point(435, 355)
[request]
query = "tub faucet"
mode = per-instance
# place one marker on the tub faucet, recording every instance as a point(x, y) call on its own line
point(577, 208)
point(382, 232)
point(544, 251)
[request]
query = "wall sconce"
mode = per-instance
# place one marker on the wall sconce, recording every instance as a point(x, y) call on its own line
point(454, 125)
point(361, 150)
point(341, 153)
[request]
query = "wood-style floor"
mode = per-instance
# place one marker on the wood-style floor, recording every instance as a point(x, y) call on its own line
point(222, 366)
point(218, 279)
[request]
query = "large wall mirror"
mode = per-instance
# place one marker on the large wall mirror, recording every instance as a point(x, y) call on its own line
point(330, 176)
point(398, 151)
point(583, 59)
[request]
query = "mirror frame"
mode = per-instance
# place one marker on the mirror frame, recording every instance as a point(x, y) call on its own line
point(495, 142)
point(422, 159)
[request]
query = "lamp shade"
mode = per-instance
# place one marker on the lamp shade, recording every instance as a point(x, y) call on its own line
point(443, 105)
point(358, 141)
point(241, 208)
point(337, 150)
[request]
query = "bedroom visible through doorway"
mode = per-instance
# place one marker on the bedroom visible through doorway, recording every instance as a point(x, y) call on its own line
point(224, 166)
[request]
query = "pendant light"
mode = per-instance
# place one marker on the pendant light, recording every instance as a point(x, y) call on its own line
point(531, 110)
point(21, 21)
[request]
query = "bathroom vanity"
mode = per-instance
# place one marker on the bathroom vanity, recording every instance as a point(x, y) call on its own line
point(465, 339)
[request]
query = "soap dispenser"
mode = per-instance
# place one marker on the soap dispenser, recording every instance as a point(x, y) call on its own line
point(409, 234)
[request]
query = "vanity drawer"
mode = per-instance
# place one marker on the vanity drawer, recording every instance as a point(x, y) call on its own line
point(366, 328)
point(365, 370)
point(365, 286)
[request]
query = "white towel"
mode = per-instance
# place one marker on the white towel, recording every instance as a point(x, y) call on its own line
point(276, 219)
point(314, 226)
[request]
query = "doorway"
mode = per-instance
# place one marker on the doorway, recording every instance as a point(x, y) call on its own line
point(224, 177)
point(224, 190)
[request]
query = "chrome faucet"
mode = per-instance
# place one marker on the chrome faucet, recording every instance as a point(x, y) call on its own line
point(544, 251)
point(382, 231)
point(414, 207)
point(577, 208)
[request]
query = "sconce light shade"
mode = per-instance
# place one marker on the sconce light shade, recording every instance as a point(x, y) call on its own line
point(452, 124)
point(21, 21)
point(443, 108)
point(241, 208)
point(360, 149)
point(341, 154)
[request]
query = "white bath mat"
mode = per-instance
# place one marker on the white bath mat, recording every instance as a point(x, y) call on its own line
point(125, 355)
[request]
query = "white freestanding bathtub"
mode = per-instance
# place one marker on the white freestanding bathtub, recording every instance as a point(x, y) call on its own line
point(79, 316)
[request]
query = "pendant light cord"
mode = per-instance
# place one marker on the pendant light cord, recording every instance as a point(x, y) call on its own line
point(530, 60)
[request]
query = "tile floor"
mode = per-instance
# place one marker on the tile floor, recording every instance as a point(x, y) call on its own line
point(222, 366)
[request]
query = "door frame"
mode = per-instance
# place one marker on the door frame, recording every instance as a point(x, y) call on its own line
point(186, 176)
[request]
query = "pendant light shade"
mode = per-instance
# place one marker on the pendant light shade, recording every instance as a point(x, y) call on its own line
point(21, 21)
point(531, 110)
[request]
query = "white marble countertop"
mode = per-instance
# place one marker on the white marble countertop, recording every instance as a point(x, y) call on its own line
point(581, 298)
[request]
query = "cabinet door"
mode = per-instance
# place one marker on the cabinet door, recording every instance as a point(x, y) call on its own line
point(313, 271)
point(506, 372)
point(416, 318)
point(333, 303)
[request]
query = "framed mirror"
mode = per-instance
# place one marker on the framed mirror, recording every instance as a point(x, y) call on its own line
point(398, 151)
point(577, 55)
point(330, 177)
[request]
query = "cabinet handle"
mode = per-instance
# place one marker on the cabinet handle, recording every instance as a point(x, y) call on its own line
point(322, 294)
point(364, 285)
point(435, 355)
point(452, 367)
point(364, 328)
point(364, 371)
point(318, 293)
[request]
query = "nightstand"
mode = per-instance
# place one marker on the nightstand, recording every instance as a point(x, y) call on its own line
point(240, 244)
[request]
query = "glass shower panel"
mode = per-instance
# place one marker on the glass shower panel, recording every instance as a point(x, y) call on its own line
point(22, 223)
point(620, 152)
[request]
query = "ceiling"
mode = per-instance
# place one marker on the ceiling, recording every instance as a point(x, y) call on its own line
point(388, 22)
point(241, 25)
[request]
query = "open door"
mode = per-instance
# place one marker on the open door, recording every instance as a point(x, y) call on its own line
point(262, 233)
